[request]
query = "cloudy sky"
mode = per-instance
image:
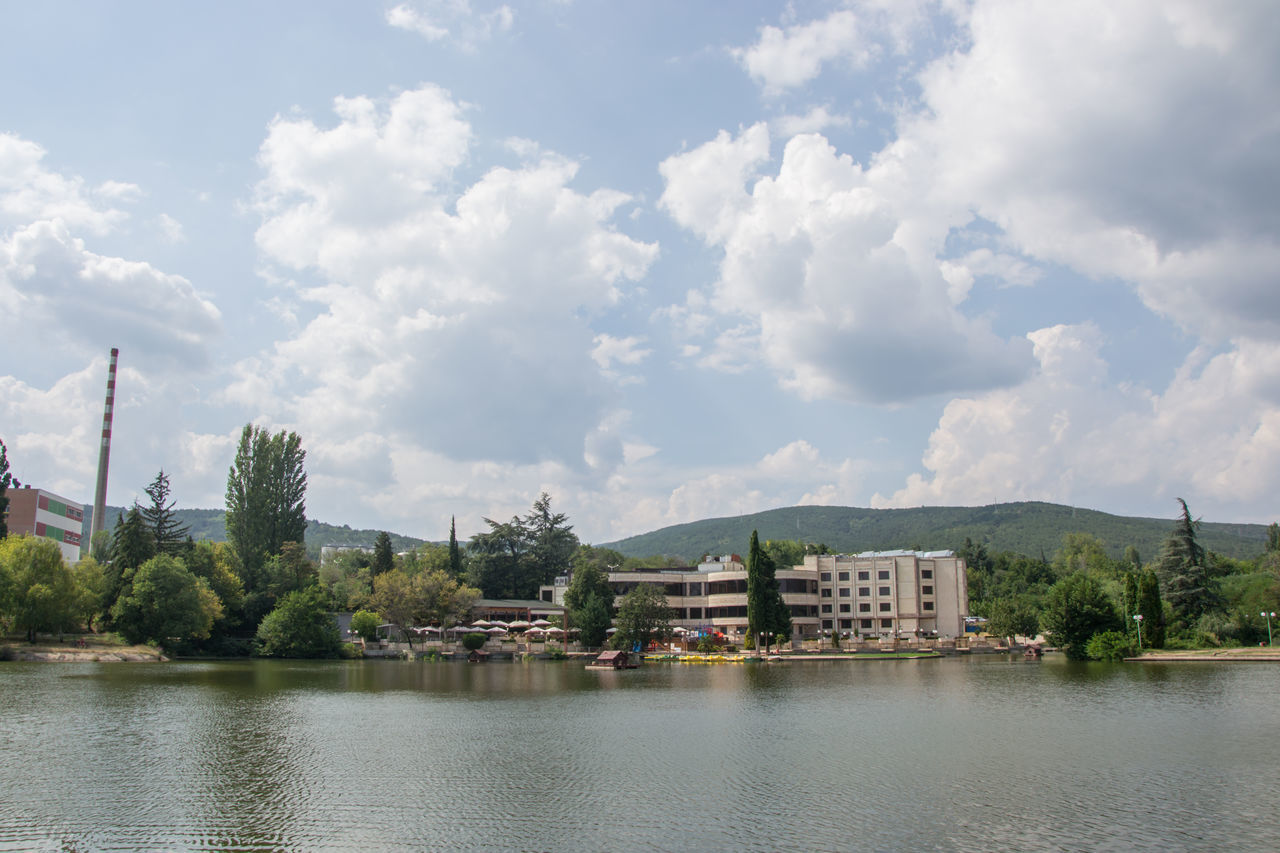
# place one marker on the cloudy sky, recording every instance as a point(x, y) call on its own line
point(663, 260)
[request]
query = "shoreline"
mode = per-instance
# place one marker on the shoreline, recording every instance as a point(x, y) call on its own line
point(23, 652)
point(1243, 655)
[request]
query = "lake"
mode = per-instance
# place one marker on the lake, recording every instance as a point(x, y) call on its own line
point(987, 753)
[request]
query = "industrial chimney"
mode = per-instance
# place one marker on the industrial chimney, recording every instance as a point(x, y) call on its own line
point(104, 455)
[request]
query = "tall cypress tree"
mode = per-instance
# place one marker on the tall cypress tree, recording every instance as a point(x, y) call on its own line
point(455, 553)
point(767, 613)
point(1151, 608)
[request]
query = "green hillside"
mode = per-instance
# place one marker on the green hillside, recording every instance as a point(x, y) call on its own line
point(211, 524)
point(1030, 528)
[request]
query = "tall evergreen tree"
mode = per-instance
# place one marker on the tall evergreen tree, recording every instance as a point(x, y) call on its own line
point(767, 614)
point(169, 535)
point(455, 553)
point(552, 542)
point(6, 480)
point(266, 498)
point(383, 557)
point(1151, 608)
point(1184, 571)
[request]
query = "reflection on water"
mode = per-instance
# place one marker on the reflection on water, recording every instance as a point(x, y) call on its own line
point(936, 754)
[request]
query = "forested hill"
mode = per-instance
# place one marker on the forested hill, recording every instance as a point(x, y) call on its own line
point(1030, 528)
point(211, 524)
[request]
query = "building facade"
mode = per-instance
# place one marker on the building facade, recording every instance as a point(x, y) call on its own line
point(35, 512)
point(873, 594)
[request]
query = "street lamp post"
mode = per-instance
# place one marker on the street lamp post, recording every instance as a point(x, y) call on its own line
point(1269, 616)
point(1138, 619)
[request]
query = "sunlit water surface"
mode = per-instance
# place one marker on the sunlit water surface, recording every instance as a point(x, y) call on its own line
point(982, 754)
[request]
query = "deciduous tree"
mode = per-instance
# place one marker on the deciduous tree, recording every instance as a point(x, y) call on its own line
point(37, 590)
point(1076, 609)
point(643, 616)
point(165, 600)
point(300, 626)
point(266, 498)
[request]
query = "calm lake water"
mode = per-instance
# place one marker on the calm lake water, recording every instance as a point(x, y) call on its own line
point(980, 754)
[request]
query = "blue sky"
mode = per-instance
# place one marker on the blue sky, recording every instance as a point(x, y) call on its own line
point(665, 261)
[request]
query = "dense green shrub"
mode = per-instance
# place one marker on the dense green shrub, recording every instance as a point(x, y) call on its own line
point(1110, 645)
point(473, 641)
point(300, 626)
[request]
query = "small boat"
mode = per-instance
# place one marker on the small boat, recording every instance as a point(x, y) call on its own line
point(1033, 653)
point(615, 659)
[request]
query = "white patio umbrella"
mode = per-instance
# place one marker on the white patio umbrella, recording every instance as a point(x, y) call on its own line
point(612, 631)
point(480, 623)
point(497, 629)
point(499, 623)
point(519, 623)
point(554, 630)
point(541, 623)
point(679, 630)
point(536, 631)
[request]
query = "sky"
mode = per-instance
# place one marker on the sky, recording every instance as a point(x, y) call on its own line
point(664, 261)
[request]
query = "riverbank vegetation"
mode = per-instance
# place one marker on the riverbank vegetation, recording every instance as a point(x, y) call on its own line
point(1185, 597)
point(258, 591)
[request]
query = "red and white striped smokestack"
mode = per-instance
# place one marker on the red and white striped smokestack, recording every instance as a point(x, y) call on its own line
point(104, 455)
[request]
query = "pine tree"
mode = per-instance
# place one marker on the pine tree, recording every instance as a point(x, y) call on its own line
point(1184, 571)
point(169, 535)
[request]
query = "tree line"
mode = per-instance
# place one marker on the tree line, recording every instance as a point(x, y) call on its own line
point(1086, 602)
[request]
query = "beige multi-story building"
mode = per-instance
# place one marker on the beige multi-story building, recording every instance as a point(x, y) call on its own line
point(873, 594)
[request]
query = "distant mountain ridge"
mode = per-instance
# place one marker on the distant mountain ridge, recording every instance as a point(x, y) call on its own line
point(211, 524)
point(1031, 527)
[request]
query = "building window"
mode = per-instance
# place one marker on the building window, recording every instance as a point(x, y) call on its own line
point(864, 607)
point(864, 576)
point(826, 593)
point(884, 590)
point(826, 623)
point(865, 623)
point(886, 623)
point(926, 590)
point(695, 589)
point(885, 607)
point(844, 592)
point(844, 576)
point(864, 590)
point(883, 575)
point(846, 623)
point(826, 608)
point(826, 577)
point(695, 612)
point(928, 605)
point(927, 574)
point(844, 608)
